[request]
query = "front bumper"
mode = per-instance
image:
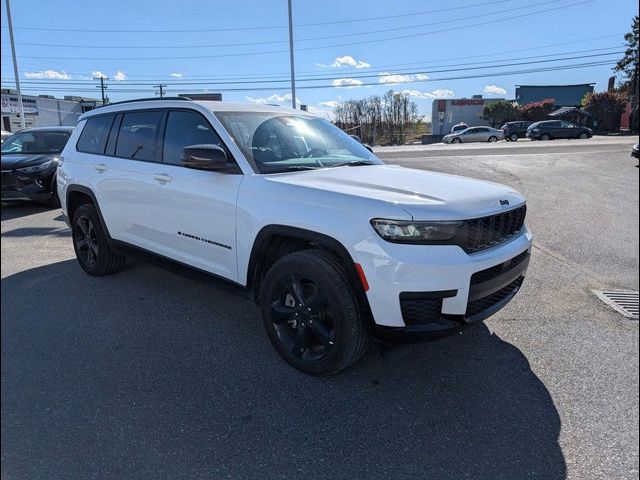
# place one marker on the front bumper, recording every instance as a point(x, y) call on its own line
point(442, 272)
point(26, 186)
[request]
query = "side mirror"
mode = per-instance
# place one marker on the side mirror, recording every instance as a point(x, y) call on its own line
point(208, 157)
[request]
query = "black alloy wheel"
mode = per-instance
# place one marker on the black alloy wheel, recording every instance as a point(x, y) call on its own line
point(86, 241)
point(493, 139)
point(91, 244)
point(456, 140)
point(311, 314)
point(303, 318)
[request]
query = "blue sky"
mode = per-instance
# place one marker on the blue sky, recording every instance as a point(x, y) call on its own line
point(344, 49)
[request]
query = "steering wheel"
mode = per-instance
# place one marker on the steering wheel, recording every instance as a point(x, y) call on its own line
point(312, 153)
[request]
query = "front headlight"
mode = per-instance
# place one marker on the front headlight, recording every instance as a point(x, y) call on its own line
point(400, 231)
point(36, 168)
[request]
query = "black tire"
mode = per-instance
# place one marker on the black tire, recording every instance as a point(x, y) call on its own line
point(456, 140)
point(583, 136)
point(545, 137)
point(492, 139)
point(311, 314)
point(513, 137)
point(91, 245)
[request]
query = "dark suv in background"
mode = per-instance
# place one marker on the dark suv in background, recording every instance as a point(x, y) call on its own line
point(552, 129)
point(515, 130)
point(29, 164)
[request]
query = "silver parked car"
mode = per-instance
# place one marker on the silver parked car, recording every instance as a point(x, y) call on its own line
point(475, 134)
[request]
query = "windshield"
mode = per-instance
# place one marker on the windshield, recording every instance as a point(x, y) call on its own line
point(36, 142)
point(277, 142)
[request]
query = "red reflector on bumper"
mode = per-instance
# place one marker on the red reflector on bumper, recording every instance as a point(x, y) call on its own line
point(363, 279)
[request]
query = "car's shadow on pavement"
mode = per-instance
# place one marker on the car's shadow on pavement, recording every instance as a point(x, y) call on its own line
point(12, 210)
point(148, 374)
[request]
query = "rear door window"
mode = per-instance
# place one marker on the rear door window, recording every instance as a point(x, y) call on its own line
point(94, 135)
point(186, 128)
point(138, 135)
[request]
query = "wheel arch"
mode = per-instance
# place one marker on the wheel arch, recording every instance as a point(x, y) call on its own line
point(268, 247)
point(77, 195)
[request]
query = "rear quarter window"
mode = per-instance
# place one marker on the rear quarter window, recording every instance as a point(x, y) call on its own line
point(94, 135)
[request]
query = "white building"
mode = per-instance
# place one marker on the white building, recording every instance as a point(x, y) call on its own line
point(43, 110)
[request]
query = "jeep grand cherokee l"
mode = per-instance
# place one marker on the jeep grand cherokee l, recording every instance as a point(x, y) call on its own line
point(335, 246)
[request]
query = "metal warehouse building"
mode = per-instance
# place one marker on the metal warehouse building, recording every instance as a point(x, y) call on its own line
point(447, 113)
point(564, 95)
point(43, 110)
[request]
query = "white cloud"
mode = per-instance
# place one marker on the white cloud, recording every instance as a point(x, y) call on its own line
point(48, 74)
point(348, 61)
point(392, 78)
point(322, 112)
point(494, 90)
point(98, 74)
point(275, 98)
point(329, 104)
point(176, 74)
point(119, 76)
point(346, 82)
point(439, 93)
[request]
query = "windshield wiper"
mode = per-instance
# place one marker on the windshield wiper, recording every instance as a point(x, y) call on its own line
point(353, 163)
point(294, 167)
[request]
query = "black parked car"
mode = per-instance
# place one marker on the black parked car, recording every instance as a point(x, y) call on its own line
point(515, 130)
point(551, 129)
point(29, 162)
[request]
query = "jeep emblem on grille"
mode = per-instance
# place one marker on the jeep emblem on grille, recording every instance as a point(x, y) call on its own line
point(504, 202)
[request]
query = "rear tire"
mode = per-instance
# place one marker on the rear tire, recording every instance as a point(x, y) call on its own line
point(91, 244)
point(513, 137)
point(311, 314)
point(493, 139)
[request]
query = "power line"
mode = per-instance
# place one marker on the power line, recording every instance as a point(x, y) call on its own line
point(265, 27)
point(309, 87)
point(322, 46)
point(463, 67)
point(265, 42)
point(160, 88)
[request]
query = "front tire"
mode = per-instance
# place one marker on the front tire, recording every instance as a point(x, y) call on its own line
point(456, 140)
point(513, 137)
point(311, 314)
point(545, 137)
point(91, 244)
point(583, 136)
point(493, 139)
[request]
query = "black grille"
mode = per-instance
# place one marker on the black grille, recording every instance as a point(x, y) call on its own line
point(7, 179)
point(420, 311)
point(492, 272)
point(482, 304)
point(488, 231)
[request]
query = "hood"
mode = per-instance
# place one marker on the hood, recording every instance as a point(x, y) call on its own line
point(424, 195)
point(11, 161)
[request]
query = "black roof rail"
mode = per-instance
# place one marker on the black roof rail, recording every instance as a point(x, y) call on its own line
point(147, 99)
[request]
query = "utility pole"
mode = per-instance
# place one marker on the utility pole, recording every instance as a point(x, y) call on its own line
point(160, 88)
point(293, 74)
point(102, 86)
point(16, 72)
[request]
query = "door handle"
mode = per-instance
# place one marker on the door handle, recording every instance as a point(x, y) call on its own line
point(101, 167)
point(162, 177)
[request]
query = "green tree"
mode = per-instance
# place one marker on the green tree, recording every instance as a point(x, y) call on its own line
point(501, 111)
point(537, 111)
point(605, 108)
point(627, 66)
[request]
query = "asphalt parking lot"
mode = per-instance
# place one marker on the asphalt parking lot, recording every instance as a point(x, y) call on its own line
point(154, 374)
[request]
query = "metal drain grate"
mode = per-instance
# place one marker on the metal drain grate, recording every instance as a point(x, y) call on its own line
point(622, 301)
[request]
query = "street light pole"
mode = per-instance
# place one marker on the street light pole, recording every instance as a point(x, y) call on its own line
point(293, 74)
point(16, 73)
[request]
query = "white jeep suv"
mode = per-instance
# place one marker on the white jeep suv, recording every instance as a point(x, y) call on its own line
point(335, 246)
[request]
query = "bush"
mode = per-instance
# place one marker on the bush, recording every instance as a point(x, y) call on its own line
point(606, 109)
point(537, 111)
point(500, 112)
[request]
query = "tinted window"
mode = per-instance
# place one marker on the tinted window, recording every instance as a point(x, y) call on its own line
point(138, 135)
point(482, 129)
point(43, 141)
point(94, 134)
point(567, 125)
point(184, 129)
